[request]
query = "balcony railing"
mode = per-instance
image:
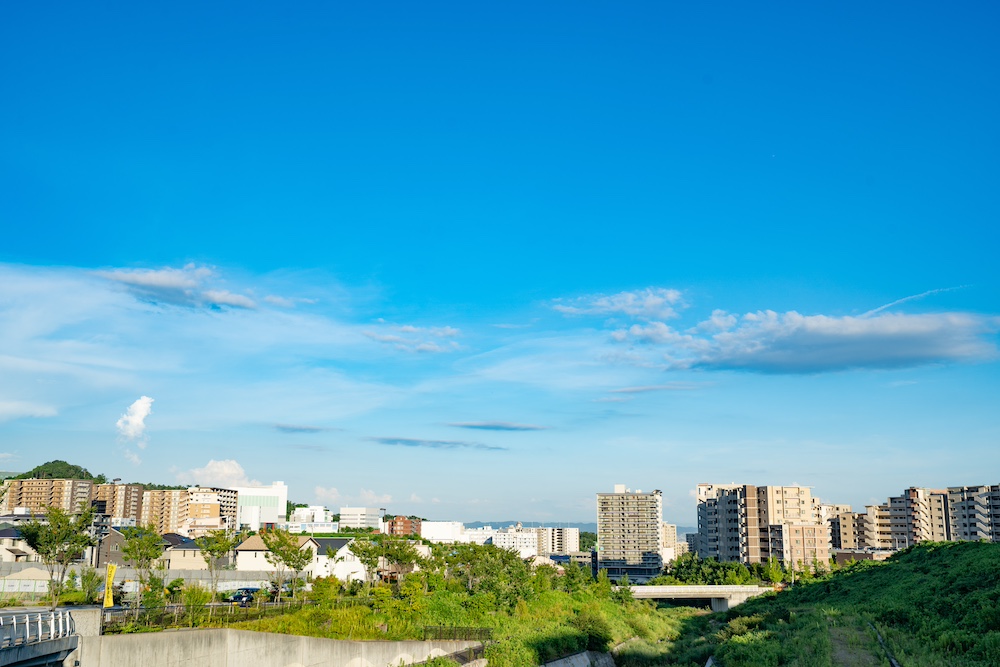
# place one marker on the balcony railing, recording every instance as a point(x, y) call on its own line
point(31, 628)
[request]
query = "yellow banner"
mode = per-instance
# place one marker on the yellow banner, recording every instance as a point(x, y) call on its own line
point(109, 584)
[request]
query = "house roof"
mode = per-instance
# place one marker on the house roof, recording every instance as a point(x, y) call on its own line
point(334, 544)
point(10, 533)
point(173, 539)
point(256, 543)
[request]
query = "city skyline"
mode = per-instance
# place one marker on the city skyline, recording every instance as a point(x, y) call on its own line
point(481, 265)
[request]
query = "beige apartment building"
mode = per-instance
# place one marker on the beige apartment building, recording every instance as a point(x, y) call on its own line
point(974, 513)
point(750, 524)
point(123, 501)
point(916, 515)
point(630, 533)
point(557, 540)
point(167, 510)
point(34, 495)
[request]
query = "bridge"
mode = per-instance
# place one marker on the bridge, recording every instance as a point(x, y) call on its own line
point(722, 597)
point(36, 639)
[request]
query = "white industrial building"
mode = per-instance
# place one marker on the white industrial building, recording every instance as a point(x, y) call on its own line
point(261, 506)
point(360, 517)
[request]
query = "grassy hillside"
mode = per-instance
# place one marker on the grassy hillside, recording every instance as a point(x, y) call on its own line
point(935, 605)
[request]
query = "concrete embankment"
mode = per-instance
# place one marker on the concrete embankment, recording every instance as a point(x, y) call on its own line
point(242, 648)
point(584, 659)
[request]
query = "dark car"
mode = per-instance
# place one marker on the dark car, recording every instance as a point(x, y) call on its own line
point(243, 597)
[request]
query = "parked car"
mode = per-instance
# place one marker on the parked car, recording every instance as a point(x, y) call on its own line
point(243, 597)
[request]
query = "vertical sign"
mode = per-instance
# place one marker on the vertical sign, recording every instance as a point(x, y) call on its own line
point(109, 584)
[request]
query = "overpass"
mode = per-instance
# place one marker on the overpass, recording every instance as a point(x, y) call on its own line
point(35, 639)
point(722, 597)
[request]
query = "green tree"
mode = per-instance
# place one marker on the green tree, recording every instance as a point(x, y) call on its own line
point(215, 547)
point(58, 542)
point(285, 553)
point(370, 553)
point(622, 593)
point(587, 541)
point(143, 547)
point(90, 583)
point(402, 555)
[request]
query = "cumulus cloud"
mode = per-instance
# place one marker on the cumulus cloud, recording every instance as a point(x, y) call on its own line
point(436, 444)
point(132, 424)
point(369, 497)
point(182, 287)
point(326, 494)
point(652, 303)
point(771, 342)
point(409, 338)
point(18, 409)
point(498, 426)
point(225, 474)
point(414, 498)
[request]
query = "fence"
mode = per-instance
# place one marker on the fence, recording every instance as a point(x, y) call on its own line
point(21, 629)
point(444, 633)
point(118, 621)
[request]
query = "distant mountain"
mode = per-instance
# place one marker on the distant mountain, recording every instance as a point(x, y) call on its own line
point(4, 474)
point(584, 527)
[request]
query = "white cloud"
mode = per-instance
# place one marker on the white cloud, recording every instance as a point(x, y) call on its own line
point(18, 409)
point(132, 424)
point(369, 497)
point(225, 474)
point(132, 457)
point(414, 498)
point(326, 494)
point(227, 298)
point(652, 303)
point(409, 338)
point(771, 342)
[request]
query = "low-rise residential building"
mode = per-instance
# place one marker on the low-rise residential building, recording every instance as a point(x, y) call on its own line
point(251, 554)
point(402, 525)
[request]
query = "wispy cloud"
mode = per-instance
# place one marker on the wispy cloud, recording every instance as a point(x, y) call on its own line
point(409, 338)
point(498, 426)
point(437, 444)
point(19, 409)
point(771, 342)
point(186, 286)
point(652, 303)
point(914, 297)
point(295, 428)
point(673, 386)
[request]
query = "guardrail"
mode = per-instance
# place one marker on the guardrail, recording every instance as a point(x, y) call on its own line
point(32, 628)
point(449, 633)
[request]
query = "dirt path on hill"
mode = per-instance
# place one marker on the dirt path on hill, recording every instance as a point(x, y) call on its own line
point(851, 647)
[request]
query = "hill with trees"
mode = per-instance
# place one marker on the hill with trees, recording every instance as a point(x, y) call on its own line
point(61, 470)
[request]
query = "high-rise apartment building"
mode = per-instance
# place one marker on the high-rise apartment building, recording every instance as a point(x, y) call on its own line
point(974, 513)
point(749, 524)
point(630, 534)
point(402, 525)
point(166, 510)
point(34, 495)
point(123, 501)
point(557, 540)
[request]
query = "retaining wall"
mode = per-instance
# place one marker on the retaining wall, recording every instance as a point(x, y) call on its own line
point(243, 648)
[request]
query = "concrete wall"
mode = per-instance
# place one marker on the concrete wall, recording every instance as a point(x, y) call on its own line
point(584, 659)
point(242, 648)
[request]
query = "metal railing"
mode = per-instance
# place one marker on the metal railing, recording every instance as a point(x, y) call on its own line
point(445, 633)
point(34, 627)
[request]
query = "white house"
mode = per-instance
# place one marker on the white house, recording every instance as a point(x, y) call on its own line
point(252, 553)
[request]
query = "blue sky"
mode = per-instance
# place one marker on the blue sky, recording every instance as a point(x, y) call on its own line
point(478, 262)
